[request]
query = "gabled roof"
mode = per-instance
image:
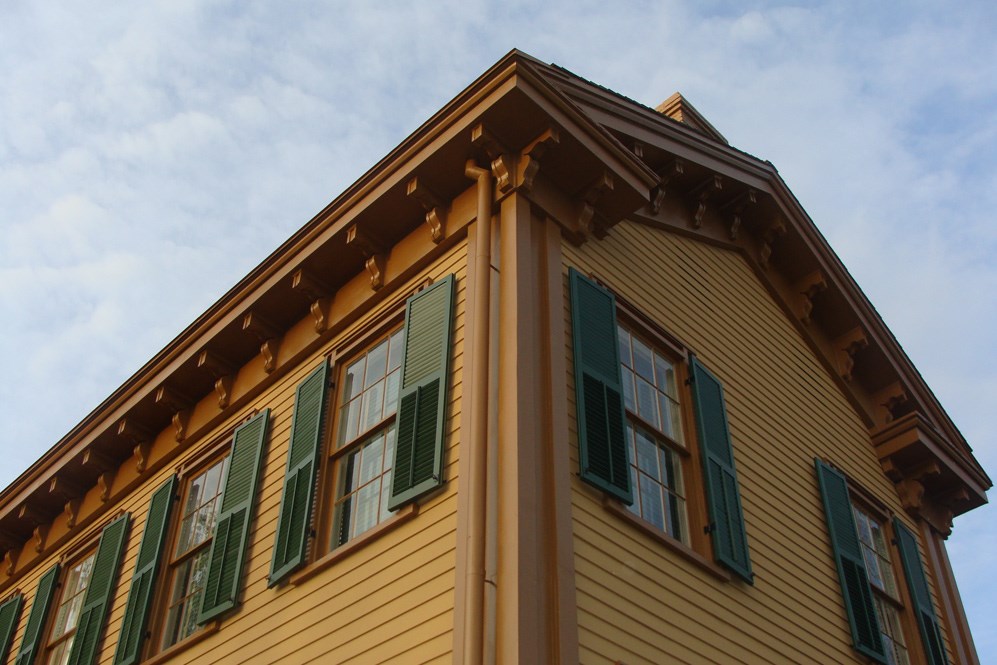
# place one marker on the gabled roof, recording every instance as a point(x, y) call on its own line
point(679, 108)
point(585, 156)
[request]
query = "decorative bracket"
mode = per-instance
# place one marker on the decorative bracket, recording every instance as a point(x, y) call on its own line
point(38, 537)
point(72, 510)
point(848, 346)
point(267, 334)
point(316, 292)
point(104, 483)
point(775, 230)
point(179, 404)
point(736, 207)
point(221, 371)
point(702, 193)
point(535, 151)
point(498, 156)
point(9, 558)
point(138, 436)
point(809, 287)
point(894, 401)
point(373, 253)
point(587, 223)
point(666, 175)
point(436, 213)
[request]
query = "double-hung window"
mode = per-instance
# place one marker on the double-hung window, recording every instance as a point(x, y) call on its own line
point(672, 466)
point(365, 438)
point(76, 579)
point(190, 551)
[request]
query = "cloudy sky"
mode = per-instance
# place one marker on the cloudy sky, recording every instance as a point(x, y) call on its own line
point(152, 153)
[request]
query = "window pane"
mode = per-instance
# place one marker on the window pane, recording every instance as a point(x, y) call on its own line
point(395, 351)
point(353, 383)
point(373, 402)
point(647, 402)
point(650, 502)
point(367, 508)
point(671, 422)
point(625, 347)
point(349, 421)
point(629, 399)
point(391, 392)
point(377, 361)
point(371, 460)
point(647, 455)
point(643, 364)
point(664, 376)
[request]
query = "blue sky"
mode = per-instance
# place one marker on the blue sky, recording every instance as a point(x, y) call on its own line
point(152, 155)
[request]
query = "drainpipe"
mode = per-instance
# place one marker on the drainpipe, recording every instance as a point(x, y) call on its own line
point(477, 532)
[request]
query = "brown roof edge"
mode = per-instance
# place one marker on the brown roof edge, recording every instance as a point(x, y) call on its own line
point(681, 109)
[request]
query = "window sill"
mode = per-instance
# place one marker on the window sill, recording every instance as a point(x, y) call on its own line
point(404, 514)
point(676, 546)
point(209, 629)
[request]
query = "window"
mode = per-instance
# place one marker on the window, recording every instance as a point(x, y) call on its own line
point(886, 596)
point(189, 555)
point(365, 438)
point(637, 438)
point(654, 435)
point(76, 579)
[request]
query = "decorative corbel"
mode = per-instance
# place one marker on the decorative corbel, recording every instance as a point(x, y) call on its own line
point(104, 483)
point(848, 346)
point(38, 538)
point(436, 213)
point(775, 230)
point(221, 371)
point(702, 193)
point(893, 401)
point(587, 224)
point(534, 152)
point(808, 288)
point(72, 510)
point(317, 294)
point(911, 493)
point(373, 253)
point(267, 334)
point(670, 172)
point(9, 559)
point(736, 207)
point(498, 156)
point(140, 438)
point(179, 404)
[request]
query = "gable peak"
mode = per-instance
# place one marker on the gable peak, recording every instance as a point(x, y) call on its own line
point(680, 109)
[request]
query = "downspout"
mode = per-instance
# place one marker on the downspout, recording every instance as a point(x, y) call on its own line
point(477, 532)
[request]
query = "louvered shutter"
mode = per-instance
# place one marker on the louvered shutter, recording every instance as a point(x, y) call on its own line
point(146, 566)
point(602, 447)
point(855, 589)
point(36, 618)
point(723, 495)
point(294, 519)
point(231, 538)
point(10, 612)
point(917, 582)
point(418, 463)
point(100, 591)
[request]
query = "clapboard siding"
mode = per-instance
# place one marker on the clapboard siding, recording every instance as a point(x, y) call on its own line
point(638, 602)
point(391, 599)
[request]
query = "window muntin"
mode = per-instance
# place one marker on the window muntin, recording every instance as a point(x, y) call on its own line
point(876, 552)
point(74, 585)
point(191, 551)
point(654, 435)
point(365, 440)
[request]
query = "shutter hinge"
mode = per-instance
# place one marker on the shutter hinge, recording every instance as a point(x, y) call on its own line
point(710, 528)
point(312, 534)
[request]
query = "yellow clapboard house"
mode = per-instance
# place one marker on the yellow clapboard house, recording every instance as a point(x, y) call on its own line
point(562, 379)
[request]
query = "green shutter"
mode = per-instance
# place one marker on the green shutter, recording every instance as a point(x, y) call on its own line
point(723, 496)
point(36, 619)
point(10, 612)
point(854, 580)
point(917, 582)
point(231, 538)
point(602, 446)
point(294, 518)
point(143, 581)
point(100, 592)
point(418, 463)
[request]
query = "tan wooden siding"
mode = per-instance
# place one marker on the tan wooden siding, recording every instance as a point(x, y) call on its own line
point(389, 601)
point(639, 602)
